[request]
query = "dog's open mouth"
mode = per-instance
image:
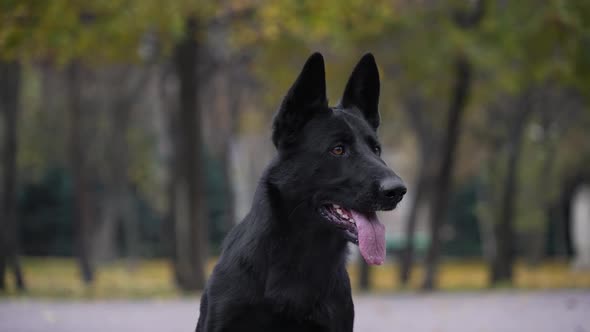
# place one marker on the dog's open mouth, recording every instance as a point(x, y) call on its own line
point(364, 229)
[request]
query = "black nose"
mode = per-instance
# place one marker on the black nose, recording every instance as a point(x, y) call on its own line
point(392, 188)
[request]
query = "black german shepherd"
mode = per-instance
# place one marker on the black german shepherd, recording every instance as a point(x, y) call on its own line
point(283, 268)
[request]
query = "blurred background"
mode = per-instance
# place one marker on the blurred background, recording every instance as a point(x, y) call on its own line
point(133, 133)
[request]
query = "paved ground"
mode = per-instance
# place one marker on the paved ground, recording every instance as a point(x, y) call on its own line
point(563, 311)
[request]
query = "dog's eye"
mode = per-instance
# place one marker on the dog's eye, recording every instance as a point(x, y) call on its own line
point(377, 150)
point(338, 150)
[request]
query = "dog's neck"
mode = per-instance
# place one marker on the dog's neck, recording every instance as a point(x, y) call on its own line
point(311, 245)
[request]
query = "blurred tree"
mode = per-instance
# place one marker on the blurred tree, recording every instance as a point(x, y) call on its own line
point(83, 214)
point(193, 70)
point(190, 229)
point(504, 231)
point(196, 70)
point(119, 202)
point(10, 83)
point(526, 62)
point(426, 133)
point(85, 35)
point(67, 33)
point(463, 73)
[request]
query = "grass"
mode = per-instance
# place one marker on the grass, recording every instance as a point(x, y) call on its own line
point(59, 278)
point(473, 275)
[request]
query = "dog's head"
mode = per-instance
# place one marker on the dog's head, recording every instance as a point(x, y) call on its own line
point(331, 156)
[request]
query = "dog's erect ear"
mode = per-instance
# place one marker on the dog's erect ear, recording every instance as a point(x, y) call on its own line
point(307, 95)
point(362, 89)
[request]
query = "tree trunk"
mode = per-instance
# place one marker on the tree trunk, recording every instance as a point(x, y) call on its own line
point(425, 135)
point(10, 74)
point(190, 226)
point(119, 205)
point(501, 271)
point(407, 254)
point(167, 136)
point(463, 76)
point(116, 201)
point(485, 218)
point(443, 181)
point(82, 214)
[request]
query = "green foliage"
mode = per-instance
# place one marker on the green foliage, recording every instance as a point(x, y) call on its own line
point(46, 220)
point(524, 43)
point(217, 202)
point(464, 234)
point(45, 213)
point(540, 184)
point(99, 31)
point(42, 129)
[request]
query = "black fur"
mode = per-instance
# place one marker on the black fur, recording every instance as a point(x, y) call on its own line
point(283, 268)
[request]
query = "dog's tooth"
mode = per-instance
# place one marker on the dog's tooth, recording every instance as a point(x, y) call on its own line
point(339, 211)
point(345, 216)
point(336, 206)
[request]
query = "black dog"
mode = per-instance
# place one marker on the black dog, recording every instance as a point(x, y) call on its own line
point(283, 268)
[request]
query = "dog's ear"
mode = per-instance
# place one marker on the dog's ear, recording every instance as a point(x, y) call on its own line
point(362, 90)
point(306, 96)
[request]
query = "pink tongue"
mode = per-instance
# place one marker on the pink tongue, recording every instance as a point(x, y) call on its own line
point(371, 235)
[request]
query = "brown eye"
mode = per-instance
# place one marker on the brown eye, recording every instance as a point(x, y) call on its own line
point(377, 150)
point(338, 150)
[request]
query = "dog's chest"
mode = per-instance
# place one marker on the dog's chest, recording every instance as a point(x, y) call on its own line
point(320, 300)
